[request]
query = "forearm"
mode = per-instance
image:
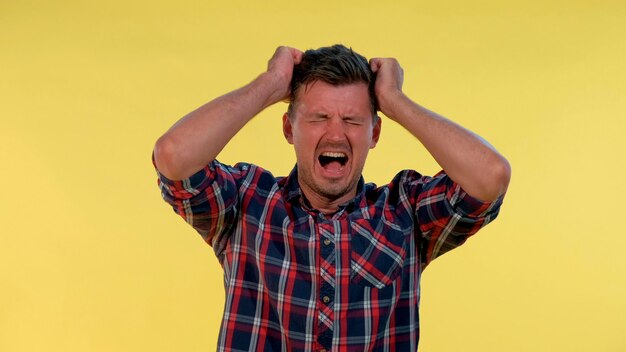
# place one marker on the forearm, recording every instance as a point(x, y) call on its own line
point(467, 158)
point(197, 138)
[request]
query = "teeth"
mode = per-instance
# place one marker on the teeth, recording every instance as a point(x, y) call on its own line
point(334, 155)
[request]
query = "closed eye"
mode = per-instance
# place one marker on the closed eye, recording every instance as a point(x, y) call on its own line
point(318, 118)
point(352, 121)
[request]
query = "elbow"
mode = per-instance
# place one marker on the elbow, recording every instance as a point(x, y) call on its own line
point(492, 182)
point(498, 179)
point(165, 157)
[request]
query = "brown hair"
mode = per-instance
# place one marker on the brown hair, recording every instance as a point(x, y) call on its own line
point(335, 65)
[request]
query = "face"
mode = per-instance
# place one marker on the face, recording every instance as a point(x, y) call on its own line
point(332, 132)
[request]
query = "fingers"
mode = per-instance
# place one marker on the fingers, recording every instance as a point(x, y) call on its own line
point(387, 69)
point(280, 67)
point(375, 64)
point(286, 57)
point(296, 55)
point(389, 77)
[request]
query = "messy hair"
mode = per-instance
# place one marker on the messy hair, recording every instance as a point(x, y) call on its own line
point(336, 65)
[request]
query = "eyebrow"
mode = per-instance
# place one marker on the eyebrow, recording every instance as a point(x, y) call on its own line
point(325, 115)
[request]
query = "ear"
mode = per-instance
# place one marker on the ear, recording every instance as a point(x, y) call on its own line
point(376, 132)
point(287, 128)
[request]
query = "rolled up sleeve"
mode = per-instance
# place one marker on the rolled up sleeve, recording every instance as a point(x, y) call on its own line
point(207, 200)
point(447, 215)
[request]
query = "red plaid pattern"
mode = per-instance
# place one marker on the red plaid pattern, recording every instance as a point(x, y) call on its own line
point(299, 280)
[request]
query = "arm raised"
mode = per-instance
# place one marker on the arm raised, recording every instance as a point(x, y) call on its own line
point(467, 158)
point(198, 137)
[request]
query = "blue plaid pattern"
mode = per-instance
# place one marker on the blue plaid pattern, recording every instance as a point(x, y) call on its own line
point(300, 280)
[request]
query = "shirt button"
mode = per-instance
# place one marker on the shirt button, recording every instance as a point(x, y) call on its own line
point(325, 299)
point(326, 241)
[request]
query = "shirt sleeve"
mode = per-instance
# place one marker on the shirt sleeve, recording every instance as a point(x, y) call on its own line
point(446, 215)
point(208, 200)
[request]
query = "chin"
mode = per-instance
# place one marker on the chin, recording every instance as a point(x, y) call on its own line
point(333, 190)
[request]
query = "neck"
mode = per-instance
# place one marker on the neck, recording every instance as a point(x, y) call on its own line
point(326, 205)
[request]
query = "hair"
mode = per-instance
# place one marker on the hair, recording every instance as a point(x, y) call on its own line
point(335, 65)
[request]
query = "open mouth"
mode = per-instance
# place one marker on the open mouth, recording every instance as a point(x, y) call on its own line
point(333, 161)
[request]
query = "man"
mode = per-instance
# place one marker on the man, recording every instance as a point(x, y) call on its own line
point(319, 260)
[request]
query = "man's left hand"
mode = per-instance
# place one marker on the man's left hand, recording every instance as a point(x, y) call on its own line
point(389, 78)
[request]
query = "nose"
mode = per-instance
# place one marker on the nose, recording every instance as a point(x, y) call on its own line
point(336, 130)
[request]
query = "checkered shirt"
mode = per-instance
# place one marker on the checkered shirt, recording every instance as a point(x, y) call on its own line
point(300, 280)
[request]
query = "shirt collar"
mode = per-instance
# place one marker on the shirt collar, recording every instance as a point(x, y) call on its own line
point(293, 192)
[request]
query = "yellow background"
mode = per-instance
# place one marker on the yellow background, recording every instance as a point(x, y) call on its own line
point(91, 259)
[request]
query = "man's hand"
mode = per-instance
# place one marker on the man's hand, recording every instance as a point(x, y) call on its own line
point(280, 68)
point(389, 78)
point(467, 159)
point(197, 138)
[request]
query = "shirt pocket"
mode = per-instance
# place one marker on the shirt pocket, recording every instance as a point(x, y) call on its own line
point(378, 251)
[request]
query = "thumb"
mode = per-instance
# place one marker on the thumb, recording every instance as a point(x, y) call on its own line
point(375, 64)
point(297, 55)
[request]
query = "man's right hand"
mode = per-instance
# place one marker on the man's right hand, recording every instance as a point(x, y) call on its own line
point(280, 68)
point(197, 138)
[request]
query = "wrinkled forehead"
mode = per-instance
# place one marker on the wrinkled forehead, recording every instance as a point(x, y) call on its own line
point(322, 94)
point(319, 97)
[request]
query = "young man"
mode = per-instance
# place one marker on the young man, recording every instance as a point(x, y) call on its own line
point(319, 260)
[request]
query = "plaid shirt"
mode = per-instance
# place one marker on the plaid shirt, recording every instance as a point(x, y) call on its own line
point(300, 280)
